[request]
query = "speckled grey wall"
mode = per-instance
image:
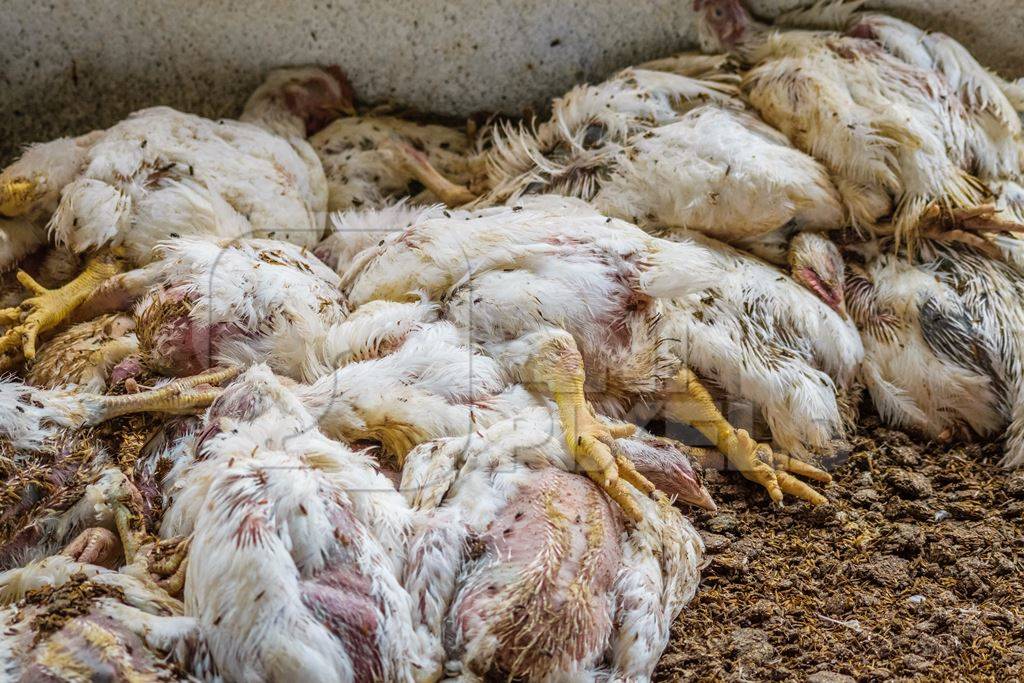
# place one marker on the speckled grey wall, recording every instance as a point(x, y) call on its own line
point(71, 65)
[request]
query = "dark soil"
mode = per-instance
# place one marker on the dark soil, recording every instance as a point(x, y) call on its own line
point(913, 572)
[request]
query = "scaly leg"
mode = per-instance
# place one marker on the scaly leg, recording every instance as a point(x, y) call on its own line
point(165, 561)
point(16, 196)
point(558, 367)
point(689, 402)
point(420, 167)
point(168, 562)
point(984, 218)
point(49, 307)
point(180, 396)
point(95, 545)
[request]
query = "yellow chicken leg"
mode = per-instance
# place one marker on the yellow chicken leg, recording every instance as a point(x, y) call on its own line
point(16, 196)
point(180, 396)
point(689, 402)
point(164, 560)
point(559, 367)
point(49, 307)
point(168, 562)
point(420, 167)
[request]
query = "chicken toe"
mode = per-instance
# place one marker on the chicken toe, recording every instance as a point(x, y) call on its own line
point(167, 561)
point(558, 366)
point(420, 167)
point(689, 402)
point(179, 396)
point(50, 307)
point(16, 196)
point(95, 545)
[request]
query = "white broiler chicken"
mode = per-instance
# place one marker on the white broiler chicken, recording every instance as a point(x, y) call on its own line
point(297, 547)
point(258, 300)
point(71, 621)
point(785, 344)
point(115, 194)
point(942, 339)
point(666, 145)
point(528, 571)
point(200, 299)
point(85, 355)
point(552, 287)
point(990, 102)
point(905, 131)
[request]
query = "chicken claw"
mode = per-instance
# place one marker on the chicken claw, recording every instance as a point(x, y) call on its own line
point(559, 367)
point(592, 444)
point(16, 196)
point(167, 562)
point(690, 402)
point(786, 466)
point(49, 307)
point(417, 164)
point(95, 545)
point(178, 396)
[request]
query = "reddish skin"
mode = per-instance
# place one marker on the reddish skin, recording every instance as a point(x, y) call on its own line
point(832, 296)
point(318, 101)
point(130, 367)
point(341, 600)
point(667, 468)
point(97, 546)
point(178, 346)
point(727, 19)
point(511, 544)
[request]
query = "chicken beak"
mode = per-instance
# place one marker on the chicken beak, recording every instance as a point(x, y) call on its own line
point(698, 496)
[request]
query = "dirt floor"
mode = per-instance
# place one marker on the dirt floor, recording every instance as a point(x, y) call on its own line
point(914, 572)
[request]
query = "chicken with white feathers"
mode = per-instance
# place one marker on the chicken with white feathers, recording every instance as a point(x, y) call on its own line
point(65, 620)
point(358, 150)
point(909, 125)
point(258, 481)
point(667, 145)
point(115, 194)
point(942, 338)
point(550, 287)
point(393, 374)
point(528, 572)
point(297, 546)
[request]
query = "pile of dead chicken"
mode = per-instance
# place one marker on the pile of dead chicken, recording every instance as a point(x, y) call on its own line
point(297, 420)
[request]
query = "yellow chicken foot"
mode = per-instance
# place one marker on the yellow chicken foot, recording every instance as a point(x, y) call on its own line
point(168, 562)
point(95, 545)
point(180, 396)
point(16, 196)
point(49, 307)
point(984, 218)
point(127, 524)
point(559, 367)
point(689, 402)
point(164, 560)
point(420, 167)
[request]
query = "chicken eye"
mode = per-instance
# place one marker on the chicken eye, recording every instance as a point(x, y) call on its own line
point(534, 187)
point(593, 134)
point(717, 13)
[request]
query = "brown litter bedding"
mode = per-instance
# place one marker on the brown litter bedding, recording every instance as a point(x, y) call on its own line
point(916, 571)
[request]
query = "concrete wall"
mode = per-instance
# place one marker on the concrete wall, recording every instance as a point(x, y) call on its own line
point(67, 66)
